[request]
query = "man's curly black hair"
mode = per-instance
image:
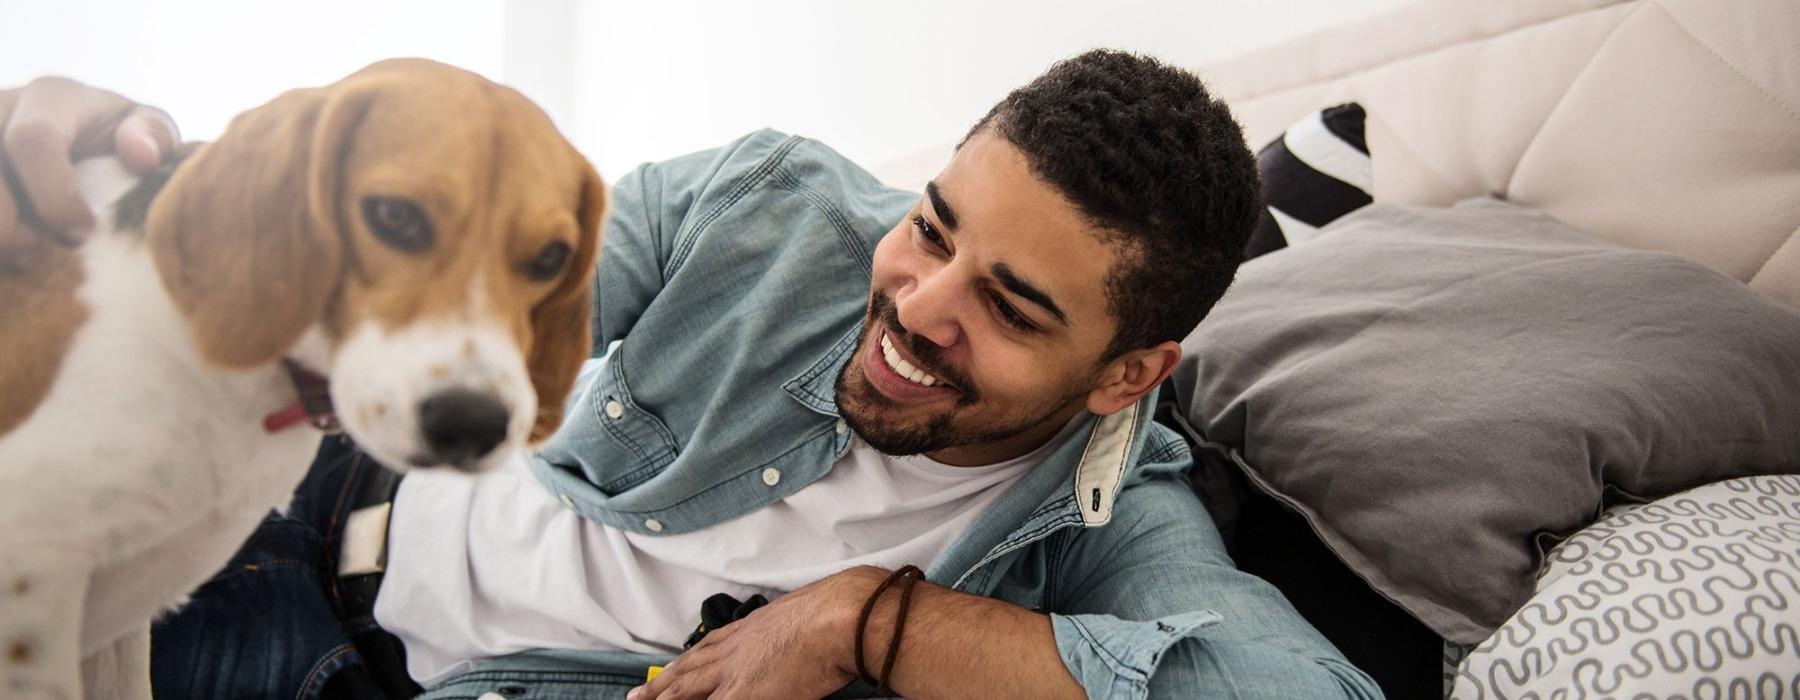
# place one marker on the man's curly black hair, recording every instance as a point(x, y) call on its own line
point(1158, 165)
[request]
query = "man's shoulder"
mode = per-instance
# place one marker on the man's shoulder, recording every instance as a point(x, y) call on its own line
point(774, 185)
point(830, 181)
point(1165, 455)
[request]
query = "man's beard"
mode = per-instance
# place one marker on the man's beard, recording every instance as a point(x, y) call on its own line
point(860, 403)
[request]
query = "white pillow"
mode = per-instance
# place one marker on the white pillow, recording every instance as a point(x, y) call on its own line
point(1696, 595)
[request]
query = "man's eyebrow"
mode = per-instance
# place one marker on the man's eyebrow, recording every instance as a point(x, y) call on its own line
point(1026, 289)
point(940, 206)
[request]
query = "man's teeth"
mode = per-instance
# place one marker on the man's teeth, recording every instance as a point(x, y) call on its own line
point(902, 367)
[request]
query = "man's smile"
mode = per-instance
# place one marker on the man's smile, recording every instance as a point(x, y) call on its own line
point(901, 366)
point(897, 376)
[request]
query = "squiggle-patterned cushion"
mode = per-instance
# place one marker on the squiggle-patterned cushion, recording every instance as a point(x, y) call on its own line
point(1696, 595)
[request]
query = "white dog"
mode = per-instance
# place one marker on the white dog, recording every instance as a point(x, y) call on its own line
point(422, 237)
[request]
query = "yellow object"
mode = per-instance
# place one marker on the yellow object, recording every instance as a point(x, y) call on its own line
point(651, 674)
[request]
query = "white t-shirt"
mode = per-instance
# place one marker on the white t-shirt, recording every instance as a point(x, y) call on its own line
point(480, 566)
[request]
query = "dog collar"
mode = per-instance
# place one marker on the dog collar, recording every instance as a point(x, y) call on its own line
point(313, 407)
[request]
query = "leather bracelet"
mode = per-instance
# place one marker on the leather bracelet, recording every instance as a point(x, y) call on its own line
point(912, 574)
point(887, 667)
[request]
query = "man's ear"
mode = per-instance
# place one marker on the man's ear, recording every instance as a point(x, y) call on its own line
point(1127, 379)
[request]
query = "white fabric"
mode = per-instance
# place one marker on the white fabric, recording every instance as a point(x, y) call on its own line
point(1314, 144)
point(480, 566)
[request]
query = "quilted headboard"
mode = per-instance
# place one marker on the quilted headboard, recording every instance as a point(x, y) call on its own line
point(1665, 124)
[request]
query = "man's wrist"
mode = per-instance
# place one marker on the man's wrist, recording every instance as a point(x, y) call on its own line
point(845, 618)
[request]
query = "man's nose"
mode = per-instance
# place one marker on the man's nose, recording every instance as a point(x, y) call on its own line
point(932, 310)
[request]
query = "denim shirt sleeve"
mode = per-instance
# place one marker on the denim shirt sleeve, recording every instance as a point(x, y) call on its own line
point(1149, 605)
point(649, 207)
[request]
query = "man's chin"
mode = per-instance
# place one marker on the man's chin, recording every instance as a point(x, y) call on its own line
point(874, 418)
point(894, 440)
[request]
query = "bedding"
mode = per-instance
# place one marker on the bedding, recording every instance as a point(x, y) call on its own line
point(1695, 595)
point(1445, 393)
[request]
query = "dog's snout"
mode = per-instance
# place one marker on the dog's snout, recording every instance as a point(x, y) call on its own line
point(461, 425)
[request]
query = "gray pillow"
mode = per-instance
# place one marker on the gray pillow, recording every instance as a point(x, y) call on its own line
point(1445, 393)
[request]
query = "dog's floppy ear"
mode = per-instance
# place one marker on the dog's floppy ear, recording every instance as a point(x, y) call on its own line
point(246, 234)
point(561, 329)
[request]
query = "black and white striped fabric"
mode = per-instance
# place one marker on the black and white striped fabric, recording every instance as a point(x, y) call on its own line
point(1316, 172)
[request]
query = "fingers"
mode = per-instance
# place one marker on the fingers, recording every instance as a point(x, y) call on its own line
point(38, 155)
point(144, 137)
point(694, 679)
point(19, 241)
point(55, 121)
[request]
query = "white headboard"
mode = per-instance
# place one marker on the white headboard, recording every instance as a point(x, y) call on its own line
point(1665, 124)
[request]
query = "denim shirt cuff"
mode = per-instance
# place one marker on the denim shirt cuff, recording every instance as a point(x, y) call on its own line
point(1114, 658)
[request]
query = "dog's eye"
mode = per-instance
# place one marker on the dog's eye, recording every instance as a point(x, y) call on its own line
point(398, 223)
point(549, 262)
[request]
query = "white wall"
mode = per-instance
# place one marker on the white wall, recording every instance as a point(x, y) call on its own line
point(206, 60)
point(637, 81)
point(874, 80)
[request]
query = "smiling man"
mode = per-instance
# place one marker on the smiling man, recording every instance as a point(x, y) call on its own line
point(804, 382)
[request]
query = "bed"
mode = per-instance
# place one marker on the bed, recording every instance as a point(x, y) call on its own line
point(1641, 516)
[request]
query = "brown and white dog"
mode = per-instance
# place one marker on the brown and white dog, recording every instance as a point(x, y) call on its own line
point(419, 235)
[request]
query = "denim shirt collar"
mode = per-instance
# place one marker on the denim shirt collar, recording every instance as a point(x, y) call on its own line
point(816, 388)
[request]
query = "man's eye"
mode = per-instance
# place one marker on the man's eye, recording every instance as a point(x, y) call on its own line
point(926, 230)
point(1009, 315)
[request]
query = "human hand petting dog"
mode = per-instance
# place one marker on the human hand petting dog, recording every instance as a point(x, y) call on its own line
point(799, 646)
point(45, 127)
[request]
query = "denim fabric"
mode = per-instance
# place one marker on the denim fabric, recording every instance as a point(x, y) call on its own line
point(266, 626)
point(730, 293)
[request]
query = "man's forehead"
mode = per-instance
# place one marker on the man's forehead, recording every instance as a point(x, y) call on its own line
point(1022, 226)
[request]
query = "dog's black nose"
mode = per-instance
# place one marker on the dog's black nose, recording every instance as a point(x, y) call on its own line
point(461, 425)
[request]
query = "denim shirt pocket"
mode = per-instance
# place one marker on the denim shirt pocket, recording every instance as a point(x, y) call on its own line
point(646, 442)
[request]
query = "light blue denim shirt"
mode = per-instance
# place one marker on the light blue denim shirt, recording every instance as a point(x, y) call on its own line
point(730, 293)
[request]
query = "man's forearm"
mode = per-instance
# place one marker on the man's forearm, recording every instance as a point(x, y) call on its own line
point(961, 645)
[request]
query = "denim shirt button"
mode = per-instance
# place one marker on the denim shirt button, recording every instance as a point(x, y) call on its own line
point(771, 476)
point(841, 426)
point(491, 696)
point(653, 525)
point(567, 502)
point(614, 409)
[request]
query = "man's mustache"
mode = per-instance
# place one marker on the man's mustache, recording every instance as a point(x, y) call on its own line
point(926, 355)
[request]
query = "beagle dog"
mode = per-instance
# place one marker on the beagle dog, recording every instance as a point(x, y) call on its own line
point(419, 239)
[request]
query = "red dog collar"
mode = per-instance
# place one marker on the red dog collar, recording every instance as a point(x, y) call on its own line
point(313, 407)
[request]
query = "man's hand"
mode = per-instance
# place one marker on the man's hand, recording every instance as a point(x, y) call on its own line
point(44, 128)
point(799, 646)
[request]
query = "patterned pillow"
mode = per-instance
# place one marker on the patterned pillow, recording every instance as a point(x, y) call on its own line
point(1316, 172)
point(1695, 595)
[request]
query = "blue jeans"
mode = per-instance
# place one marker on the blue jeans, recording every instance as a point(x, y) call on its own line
point(270, 624)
